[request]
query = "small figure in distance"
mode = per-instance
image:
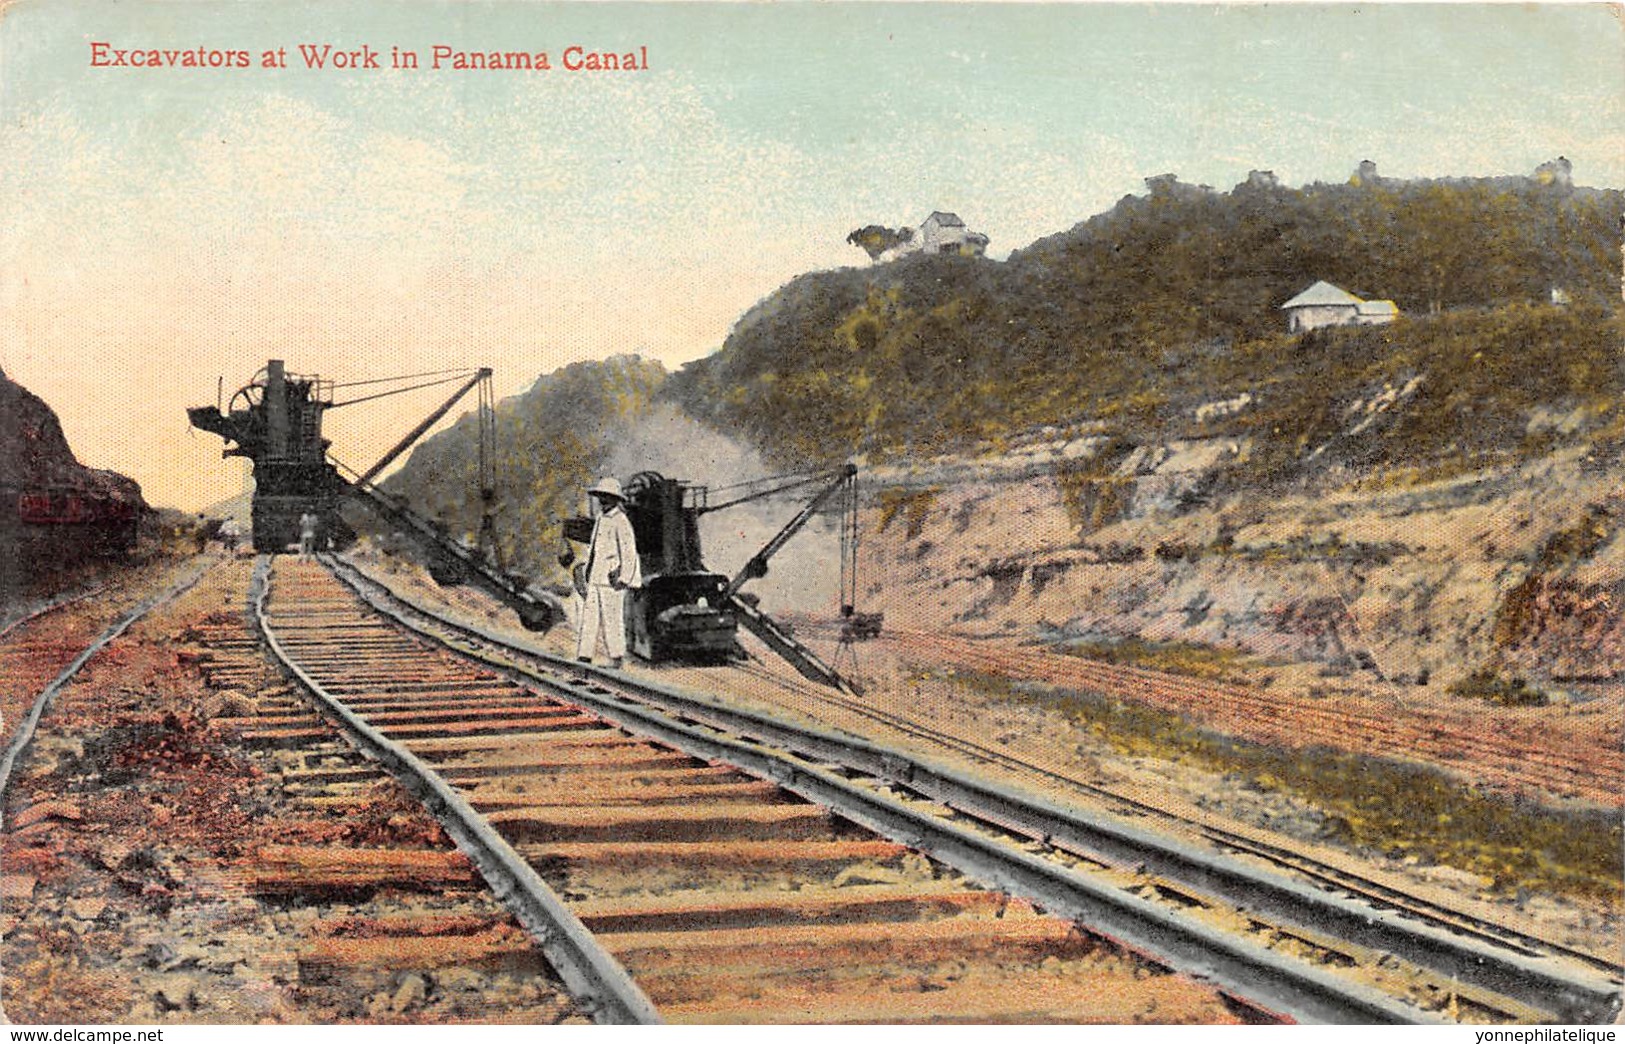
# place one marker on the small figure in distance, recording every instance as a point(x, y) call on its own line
point(612, 568)
point(307, 535)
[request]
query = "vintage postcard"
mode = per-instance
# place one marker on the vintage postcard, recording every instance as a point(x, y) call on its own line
point(779, 513)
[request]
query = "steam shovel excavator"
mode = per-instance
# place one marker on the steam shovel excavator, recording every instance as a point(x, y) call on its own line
point(684, 611)
point(276, 422)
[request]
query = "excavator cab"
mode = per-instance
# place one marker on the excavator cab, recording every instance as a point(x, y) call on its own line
point(680, 612)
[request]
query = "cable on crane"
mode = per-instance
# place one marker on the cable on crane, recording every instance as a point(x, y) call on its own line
point(855, 626)
point(793, 477)
point(402, 391)
point(487, 542)
point(849, 549)
point(464, 372)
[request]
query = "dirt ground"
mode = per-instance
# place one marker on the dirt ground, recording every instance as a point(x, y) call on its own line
point(133, 862)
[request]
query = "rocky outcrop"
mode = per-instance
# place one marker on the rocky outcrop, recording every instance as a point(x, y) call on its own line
point(1521, 570)
point(35, 453)
point(1563, 619)
point(55, 513)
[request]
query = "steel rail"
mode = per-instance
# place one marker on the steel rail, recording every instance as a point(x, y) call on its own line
point(1444, 927)
point(30, 615)
point(595, 978)
point(1534, 767)
point(1573, 995)
point(1307, 866)
point(30, 722)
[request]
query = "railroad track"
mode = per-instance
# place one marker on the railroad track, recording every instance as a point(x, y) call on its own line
point(42, 651)
point(1521, 762)
point(1267, 938)
point(722, 896)
point(139, 823)
point(40, 642)
point(1307, 866)
point(46, 608)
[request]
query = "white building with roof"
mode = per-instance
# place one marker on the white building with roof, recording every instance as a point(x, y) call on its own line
point(940, 233)
point(1323, 304)
point(945, 233)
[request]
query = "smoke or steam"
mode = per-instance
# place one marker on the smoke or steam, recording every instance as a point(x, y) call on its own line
point(667, 440)
point(803, 577)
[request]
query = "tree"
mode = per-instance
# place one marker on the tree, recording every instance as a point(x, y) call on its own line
point(877, 239)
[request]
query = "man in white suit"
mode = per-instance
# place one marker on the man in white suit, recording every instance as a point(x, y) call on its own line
point(612, 567)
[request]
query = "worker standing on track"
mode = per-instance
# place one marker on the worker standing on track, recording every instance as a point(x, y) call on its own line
point(612, 567)
point(307, 535)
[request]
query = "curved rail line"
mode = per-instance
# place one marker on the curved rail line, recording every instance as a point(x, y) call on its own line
point(1340, 878)
point(1452, 950)
point(24, 732)
point(1524, 763)
point(584, 799)
point(50, 606)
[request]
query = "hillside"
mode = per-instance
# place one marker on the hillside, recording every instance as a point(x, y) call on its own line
point(1135, 315)
point(1109, 437)
point(553, 440)
point(34, 453)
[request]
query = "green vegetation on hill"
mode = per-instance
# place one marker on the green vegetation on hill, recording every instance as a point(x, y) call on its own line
point(1425, 398)
point(1127, 323)
point(551, 443)
point(1135, 317)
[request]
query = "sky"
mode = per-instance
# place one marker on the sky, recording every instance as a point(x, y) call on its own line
point(164, 228)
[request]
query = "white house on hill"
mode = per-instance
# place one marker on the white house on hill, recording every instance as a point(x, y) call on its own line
point(940, 233)
point(945, 233)
point(1326, 305)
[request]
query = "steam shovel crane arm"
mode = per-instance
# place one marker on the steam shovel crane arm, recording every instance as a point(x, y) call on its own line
point(803, 659)
point(757, 566)
point(276, 422)
point(416, 433)
point(538, 611)
point(450, 561)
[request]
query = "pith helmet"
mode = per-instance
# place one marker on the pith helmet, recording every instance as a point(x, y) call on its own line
point(608, 486)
